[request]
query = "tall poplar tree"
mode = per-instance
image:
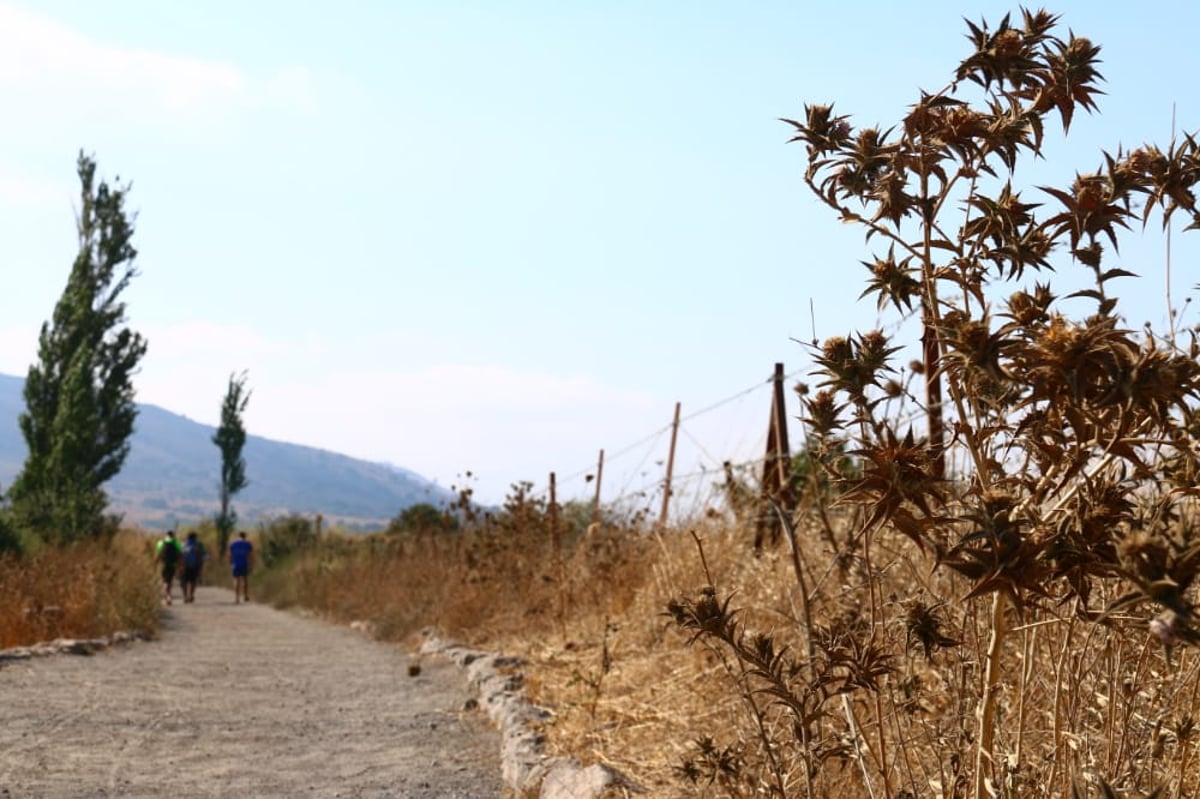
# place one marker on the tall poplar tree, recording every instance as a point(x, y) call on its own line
point(79, 396)
point(230, 438)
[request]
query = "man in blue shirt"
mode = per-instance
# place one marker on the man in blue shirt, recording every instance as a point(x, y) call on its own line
point(241, 558)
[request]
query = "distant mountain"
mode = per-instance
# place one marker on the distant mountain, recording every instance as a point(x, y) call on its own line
point(173, 472)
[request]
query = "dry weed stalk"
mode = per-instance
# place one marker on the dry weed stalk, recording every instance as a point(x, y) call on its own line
point(1054, 478)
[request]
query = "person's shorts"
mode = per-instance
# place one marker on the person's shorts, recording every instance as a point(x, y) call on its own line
point(190, 575)
point(168, 574)
point(240, 571)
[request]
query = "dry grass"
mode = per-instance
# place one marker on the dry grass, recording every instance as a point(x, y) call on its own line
point(1079, 703)
point(81, 591)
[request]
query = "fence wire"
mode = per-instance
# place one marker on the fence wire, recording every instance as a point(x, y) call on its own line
point(696, 487)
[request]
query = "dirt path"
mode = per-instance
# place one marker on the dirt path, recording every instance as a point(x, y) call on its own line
point(242, 700)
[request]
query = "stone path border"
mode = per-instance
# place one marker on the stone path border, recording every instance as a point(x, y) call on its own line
point(67, 646)
point(527, 769)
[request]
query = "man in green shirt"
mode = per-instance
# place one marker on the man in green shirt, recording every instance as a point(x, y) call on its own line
point(167, 553)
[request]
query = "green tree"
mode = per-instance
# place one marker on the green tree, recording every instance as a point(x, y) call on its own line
point(9, 540)
point(79, 397)
point(421, 518)
point(230, 438)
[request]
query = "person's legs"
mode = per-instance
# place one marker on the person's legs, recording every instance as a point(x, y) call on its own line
point(168, 577)
point(239, 585)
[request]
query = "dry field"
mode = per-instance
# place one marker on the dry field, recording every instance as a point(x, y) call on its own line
point(82, 591)
point(699, 668)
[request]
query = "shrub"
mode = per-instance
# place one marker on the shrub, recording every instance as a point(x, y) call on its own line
point(422, 518)
point(285, 536)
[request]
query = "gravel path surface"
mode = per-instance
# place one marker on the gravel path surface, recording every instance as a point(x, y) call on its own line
point(243, 700)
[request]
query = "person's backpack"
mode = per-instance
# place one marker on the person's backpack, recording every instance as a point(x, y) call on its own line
point(193, 554)
point(170, 554)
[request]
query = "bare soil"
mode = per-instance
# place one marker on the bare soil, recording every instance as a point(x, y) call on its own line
point(243, 700)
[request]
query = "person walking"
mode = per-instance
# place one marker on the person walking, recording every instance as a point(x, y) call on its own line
point(241, 558)
point(167, 554)
point(193, 564)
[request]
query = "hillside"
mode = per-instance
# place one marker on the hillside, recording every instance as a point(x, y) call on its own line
point(173, 470)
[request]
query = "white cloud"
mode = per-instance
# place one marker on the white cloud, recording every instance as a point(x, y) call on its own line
point(440, 421)
point(293, 87)
point(23, 190)
point(187, 365)
point(503, 425)
point(18, 348)
point(460, 387)
point(187, 342)
point(67, 72)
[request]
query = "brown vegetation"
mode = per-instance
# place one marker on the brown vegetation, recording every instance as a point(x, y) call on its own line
point(606, 637)
point(83, 590)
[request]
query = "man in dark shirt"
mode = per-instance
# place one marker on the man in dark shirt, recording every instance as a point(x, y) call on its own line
point(193, 564)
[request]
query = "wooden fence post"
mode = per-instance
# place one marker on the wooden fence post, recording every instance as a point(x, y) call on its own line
point(554, 536)
point(666, 501)
point(777, 468)
point(596, 501)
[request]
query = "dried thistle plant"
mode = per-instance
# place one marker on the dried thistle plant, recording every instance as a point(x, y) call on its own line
point(1049, 468)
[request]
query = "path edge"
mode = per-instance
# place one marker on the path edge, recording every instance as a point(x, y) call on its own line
point(68, 646)
point(499, 683)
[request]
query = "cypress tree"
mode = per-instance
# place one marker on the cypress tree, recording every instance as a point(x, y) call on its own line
point(230, 438)
point(79, 396)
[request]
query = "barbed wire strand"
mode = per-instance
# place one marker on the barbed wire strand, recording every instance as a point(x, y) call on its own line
point(641, 463)
point(656, 435)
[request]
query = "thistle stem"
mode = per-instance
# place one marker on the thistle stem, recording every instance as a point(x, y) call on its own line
point(987, 712)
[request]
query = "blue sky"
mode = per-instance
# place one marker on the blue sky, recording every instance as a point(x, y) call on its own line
point(498, 236)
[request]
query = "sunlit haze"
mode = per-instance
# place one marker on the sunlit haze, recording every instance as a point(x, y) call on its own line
point(500, 237)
